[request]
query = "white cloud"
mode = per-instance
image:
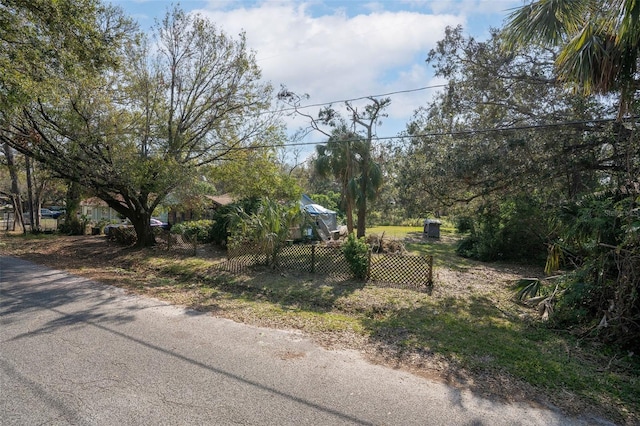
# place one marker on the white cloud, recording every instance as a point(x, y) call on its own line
point(470, 7)
point(336, 56)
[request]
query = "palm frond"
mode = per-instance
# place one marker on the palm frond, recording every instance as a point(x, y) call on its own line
point(545, 22)
point(590, 59)
point(554, 256)
point(527, 288)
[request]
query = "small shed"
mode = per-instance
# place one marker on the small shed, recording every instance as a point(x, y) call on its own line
point(432, 228)
point(328, 217)
point(326, 220)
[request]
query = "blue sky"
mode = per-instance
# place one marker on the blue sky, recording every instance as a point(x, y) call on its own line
point(335, 50)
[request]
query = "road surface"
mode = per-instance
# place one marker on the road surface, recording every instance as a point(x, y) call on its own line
point(78, 352)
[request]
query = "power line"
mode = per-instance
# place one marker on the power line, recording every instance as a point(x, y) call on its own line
point(446, 133)
point(397, 92)
point(430, 134)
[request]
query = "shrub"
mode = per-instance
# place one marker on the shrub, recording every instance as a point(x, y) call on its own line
point(379, 244)
point(602, 295)
point(510, 229)
point(268, 227)
point(356, 252)
point(197, 229)
point(125, 235)
point(464, 224)
point(224, 216)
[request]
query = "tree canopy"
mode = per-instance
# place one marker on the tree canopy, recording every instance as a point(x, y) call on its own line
point(502, 126)
point(134, 133)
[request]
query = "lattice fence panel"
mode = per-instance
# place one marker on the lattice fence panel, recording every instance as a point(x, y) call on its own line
point(243, 257)
point(331, 261)
point(414, 271)
point(395, 269)
point(296, 258)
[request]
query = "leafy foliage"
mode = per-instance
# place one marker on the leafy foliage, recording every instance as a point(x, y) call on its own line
point(598, 39)
point(199, 230)
point(225, 218)
point(473, 140)
point(267, 228)
point(257, 171)
point(601, 294)
point(515, 229)
point(356, 251)
point(138, 130)
point(347, 155)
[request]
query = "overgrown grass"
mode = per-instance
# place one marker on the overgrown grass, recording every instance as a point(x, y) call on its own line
point(471, 332)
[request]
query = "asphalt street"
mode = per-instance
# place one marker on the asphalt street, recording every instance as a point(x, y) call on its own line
point(78, 352)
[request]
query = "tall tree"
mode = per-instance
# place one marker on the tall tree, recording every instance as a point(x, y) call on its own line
point(43, 42)
point(339, 158)
point(256, 171)
point(599, 42)
point(364, 122)
point(493, 130)
point(370, 178)
point(135, 133)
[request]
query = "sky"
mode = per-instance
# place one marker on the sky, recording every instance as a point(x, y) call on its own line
point(338, 50)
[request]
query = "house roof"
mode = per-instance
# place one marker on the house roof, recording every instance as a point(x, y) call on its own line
point(221, 200)
point(93, 202)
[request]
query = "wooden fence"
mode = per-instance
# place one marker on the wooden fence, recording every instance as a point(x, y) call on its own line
point(396, 269)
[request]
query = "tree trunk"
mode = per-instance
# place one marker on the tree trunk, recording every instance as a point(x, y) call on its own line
point(362, 213)
point(362, 204)
point(16, 197)
point(349, 213)
point(72, 224)
point(34, 219)
point(144, 234)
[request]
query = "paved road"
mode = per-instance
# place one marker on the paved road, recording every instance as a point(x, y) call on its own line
point(77, 352)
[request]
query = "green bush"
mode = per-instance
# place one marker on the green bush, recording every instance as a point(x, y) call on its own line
point(463, 224)
point(356, 251)
point(198, 229)
point(599, 237)
point(223, 217)
point(510, 229)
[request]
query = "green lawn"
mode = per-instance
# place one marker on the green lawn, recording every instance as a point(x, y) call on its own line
point(398, 232)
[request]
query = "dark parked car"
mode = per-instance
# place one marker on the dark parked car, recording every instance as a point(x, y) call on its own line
point(51, 213)
point(127, 223)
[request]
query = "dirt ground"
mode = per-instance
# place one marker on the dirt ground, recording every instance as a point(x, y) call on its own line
point(96, 258)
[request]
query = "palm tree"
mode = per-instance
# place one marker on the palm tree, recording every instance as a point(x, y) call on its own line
point(339, 157)
point(599, 41)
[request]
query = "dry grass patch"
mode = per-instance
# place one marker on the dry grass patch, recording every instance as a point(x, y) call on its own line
point(467, 331)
